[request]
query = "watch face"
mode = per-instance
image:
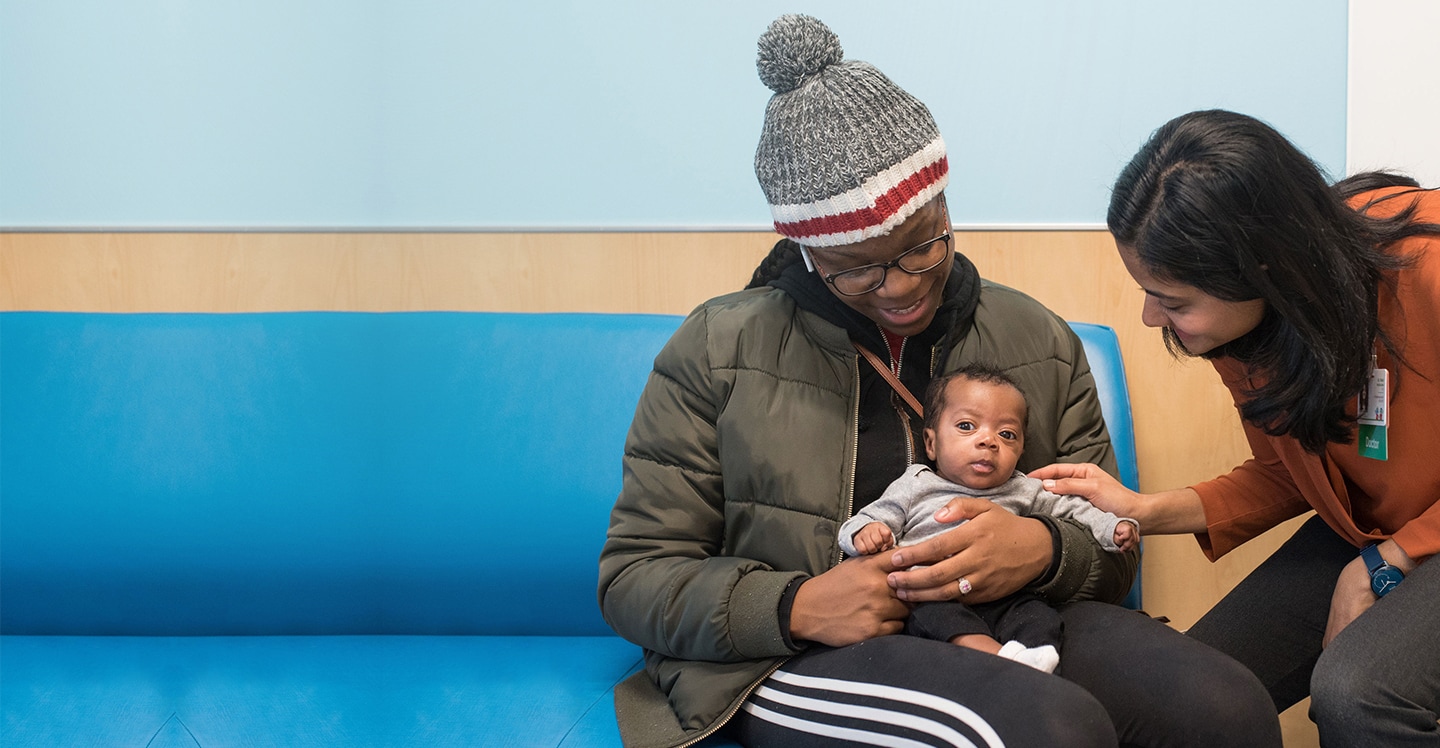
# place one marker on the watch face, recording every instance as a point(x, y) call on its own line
point(1384, 579)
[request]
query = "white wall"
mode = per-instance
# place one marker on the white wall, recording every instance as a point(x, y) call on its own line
point(1393, 113)
point(616, 114)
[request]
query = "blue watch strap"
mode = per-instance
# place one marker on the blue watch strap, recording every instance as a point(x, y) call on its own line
point(1383, 576)
point(1372, 557)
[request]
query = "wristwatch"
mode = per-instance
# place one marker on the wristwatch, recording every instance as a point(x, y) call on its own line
point(1383, 576)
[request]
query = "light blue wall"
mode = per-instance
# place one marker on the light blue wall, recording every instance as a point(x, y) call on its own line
point(623, 113)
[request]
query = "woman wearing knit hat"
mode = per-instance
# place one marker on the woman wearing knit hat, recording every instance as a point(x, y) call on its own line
point(764, 426)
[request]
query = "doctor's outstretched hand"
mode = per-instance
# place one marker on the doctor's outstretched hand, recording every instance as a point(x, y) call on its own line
point(1089, 482)
point(1163, 513)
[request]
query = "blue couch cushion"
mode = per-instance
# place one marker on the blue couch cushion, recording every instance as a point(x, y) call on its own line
point(306, 473)
point(1102, 351)
point(353, 691)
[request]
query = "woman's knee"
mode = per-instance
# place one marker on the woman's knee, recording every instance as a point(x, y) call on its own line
point(1333, 688)
point(1079, 721)
point(1162, 687)
point(1228, 705)
point(1354, 701)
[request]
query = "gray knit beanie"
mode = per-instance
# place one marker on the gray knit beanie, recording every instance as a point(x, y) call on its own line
point(845, 154)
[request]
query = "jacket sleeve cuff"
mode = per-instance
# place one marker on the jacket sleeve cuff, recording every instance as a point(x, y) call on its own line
point(759, 618)
point(1070, 565)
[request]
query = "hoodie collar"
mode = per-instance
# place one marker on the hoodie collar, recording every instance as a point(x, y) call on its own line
point(956, 312)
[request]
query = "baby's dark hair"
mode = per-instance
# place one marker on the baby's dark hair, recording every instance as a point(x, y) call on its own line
point(984, 373)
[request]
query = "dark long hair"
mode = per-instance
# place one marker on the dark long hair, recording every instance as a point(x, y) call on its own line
point(1224, 203)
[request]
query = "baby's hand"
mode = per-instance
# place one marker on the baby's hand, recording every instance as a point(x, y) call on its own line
point(1126, 535)
point(873, 538)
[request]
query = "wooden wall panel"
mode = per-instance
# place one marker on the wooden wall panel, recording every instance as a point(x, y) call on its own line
point(234, 272)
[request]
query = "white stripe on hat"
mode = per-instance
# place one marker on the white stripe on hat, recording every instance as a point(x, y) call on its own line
point(863, 196)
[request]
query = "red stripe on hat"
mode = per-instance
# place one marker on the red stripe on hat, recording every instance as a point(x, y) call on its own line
point(886, 205)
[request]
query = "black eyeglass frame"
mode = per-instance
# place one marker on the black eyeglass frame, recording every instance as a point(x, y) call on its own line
point(947, 237)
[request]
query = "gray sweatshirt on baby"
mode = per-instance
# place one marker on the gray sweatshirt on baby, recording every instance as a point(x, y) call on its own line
point(909, 504)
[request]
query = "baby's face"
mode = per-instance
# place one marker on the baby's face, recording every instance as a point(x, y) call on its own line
point(980, 434)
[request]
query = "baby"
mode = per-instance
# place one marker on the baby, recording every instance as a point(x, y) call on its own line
point(974, 434)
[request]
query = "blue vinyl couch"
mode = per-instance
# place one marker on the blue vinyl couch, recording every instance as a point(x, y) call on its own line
point(321, 529)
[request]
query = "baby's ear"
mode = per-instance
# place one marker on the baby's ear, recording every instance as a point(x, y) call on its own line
point(930, 443)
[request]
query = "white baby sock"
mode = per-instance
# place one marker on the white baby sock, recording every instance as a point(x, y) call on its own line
point(1043, 658)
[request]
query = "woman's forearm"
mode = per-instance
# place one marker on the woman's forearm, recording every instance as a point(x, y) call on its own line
point(1175, 512)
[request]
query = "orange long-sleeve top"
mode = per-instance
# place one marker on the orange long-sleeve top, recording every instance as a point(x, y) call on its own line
point(1364, 500)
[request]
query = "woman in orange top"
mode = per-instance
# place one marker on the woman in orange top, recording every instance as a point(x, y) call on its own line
point(1320, 308)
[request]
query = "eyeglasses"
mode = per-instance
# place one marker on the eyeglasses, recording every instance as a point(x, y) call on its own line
point(916, 260)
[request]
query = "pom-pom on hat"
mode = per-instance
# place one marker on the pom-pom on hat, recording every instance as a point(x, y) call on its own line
point(844, 154)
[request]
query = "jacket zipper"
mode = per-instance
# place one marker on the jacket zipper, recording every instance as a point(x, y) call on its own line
point(839, 556)
point(899, 407)
point(854, 452)
point(729, 715)
point(909, 439)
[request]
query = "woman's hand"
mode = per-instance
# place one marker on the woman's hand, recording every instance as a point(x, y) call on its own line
point(848, 604)
point(996, 553)
point(1164, 513)
point(1351, 598)
point(1353, 595)
point(1091, 483)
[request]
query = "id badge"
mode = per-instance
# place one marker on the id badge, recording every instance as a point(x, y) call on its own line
point(1373, 412)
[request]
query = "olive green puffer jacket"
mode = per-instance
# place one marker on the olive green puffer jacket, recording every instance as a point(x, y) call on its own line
point(739, 469)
